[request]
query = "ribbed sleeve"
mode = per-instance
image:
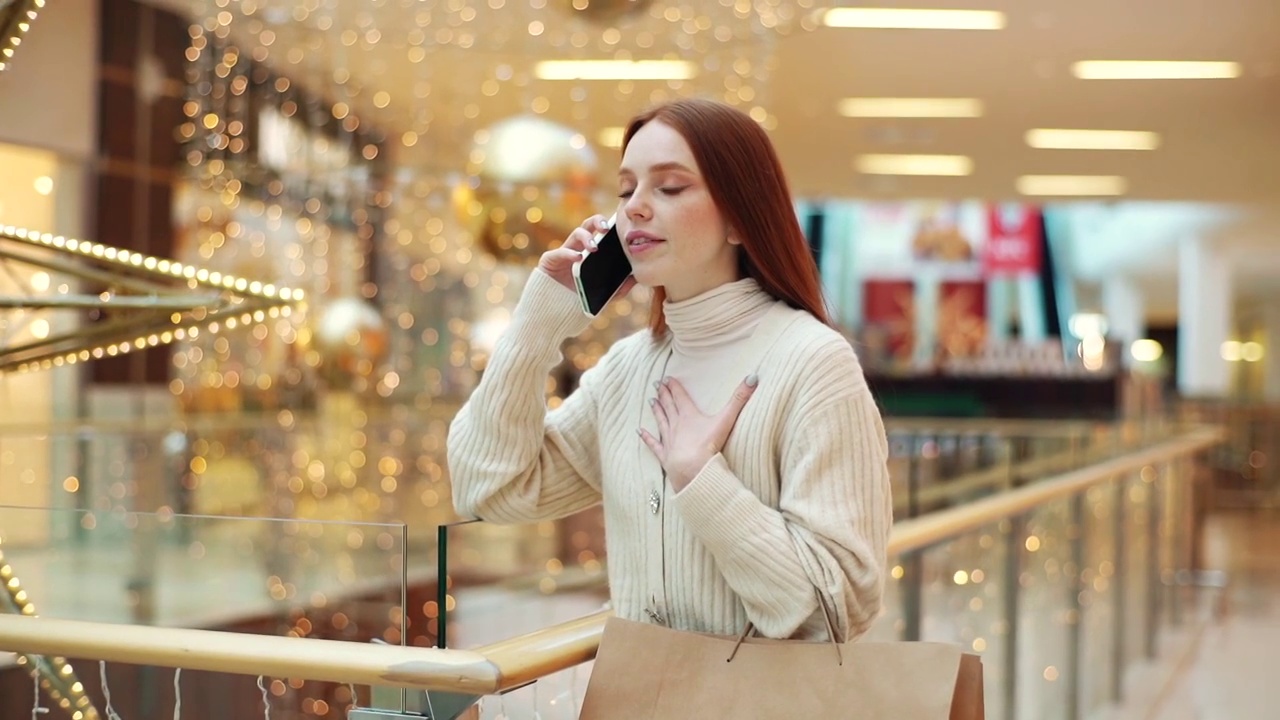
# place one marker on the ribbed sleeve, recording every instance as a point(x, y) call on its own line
point(510, 460)
point(831, 526)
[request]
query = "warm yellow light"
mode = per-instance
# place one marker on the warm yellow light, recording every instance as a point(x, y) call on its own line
point(1155, 70)
point(615, 70)
point(942, 165)
point(1072, 185)
point(890, 107)
point(1251, 352)
point(913, 19)
point(1146, 350)
point(611, 137)
point(1059, 139)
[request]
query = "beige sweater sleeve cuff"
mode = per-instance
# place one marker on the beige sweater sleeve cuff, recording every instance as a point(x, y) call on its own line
point(718, 508)
point(547, 310)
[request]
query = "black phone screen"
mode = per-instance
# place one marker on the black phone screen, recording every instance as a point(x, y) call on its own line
point(603, 272)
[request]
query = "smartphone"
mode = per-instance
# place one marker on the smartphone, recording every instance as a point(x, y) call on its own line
point(599, 275)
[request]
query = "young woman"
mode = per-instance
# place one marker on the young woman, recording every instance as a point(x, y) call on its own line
point(735, 445)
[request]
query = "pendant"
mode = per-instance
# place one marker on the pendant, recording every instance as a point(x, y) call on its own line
point(655, 502)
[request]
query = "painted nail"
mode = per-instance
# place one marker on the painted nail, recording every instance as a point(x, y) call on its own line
point(752, 380)
point(653, 401)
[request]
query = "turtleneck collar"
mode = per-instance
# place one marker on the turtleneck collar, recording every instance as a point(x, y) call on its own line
point(716, 317)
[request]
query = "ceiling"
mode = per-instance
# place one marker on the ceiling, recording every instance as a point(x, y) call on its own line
point(1220, 139)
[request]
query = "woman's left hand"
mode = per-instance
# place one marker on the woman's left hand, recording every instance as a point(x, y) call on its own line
point(687, 438)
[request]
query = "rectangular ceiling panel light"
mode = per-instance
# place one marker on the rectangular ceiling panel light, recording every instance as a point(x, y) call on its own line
point(615, 70)
point(1072, 185)
point(1061, 139)
point(887, 107)
point(913, 19)
point(940, 165)
point(1154, 70)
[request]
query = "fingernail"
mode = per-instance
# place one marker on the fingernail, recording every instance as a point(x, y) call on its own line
point(653, 401)
point(640, 431)
point(752, 380)
point(666, 381)
point(657, 384)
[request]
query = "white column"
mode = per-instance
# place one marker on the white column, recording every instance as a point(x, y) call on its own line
point(1124, 307)
point(1031, 310)
point(1204, 319)
point(928, 290)
point(1271, 361)
point(999, 308)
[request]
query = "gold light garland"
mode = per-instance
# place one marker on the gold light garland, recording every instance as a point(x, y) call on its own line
point(16, 25)
point(57, 677)
point(252, 301)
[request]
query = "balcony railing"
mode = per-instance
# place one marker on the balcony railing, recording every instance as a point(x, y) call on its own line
point(1062, 581)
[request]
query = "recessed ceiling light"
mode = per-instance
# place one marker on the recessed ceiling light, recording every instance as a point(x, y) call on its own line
point(913, 19)
point(888, 107)
point(615, 70)
point(942, 165)
point(1072, 185)
point(1154, 70)
point(1059, 139)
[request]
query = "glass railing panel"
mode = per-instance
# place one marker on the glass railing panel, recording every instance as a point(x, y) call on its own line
point(892, 622)
point(329, 580)
point(1139, 562)
point(509, 580)
point(1047, 616)
point(1099, 597)
point(342, 462)
point(964, 600)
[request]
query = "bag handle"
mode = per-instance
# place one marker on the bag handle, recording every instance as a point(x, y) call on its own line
point(826, 615)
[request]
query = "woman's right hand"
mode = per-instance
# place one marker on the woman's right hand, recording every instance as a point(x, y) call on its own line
point(558, 263)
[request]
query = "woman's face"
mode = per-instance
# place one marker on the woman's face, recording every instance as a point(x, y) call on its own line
point(671, 229)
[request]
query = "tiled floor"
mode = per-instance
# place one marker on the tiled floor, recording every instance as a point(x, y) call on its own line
point(1233, 675)
point(1229, 669)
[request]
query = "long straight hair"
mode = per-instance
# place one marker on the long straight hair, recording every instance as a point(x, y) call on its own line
point(747, 185)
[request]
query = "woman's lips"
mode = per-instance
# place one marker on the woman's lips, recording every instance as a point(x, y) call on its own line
point(639, 241)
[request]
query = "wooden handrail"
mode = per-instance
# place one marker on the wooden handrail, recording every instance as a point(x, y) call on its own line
point(510, 663)
point(921, 532)
point(486, 670)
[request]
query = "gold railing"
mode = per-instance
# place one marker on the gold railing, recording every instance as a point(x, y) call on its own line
point(512, 663)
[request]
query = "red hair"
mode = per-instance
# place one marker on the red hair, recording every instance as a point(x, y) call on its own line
point(746, 182)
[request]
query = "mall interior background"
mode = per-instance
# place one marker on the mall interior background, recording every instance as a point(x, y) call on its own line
point(383, 175)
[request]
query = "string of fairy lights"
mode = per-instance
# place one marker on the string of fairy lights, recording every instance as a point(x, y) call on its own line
point(254, 301)
point(22, 14)
point(55, 675)
point(375, 130)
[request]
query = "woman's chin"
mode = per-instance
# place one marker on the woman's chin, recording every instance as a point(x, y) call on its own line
point(648, 280)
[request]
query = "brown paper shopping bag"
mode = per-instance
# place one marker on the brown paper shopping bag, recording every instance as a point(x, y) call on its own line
point(647, 671)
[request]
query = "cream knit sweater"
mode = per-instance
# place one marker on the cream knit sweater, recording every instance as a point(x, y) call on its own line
point(797, 500)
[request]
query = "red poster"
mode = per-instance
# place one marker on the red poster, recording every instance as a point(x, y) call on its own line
point(889, 313)
point(1013, 243)
point(962, 318)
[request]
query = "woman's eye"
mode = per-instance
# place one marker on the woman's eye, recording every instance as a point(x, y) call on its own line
point(626, 194)
point(671, 190)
